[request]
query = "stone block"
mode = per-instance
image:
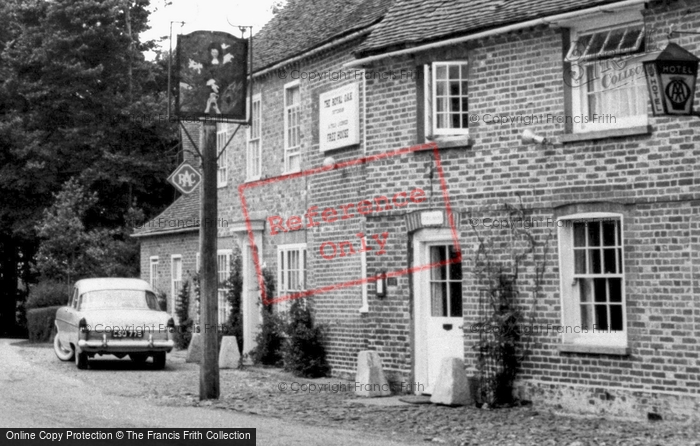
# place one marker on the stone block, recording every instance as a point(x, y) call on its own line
point(229, 356)
point(196, 349)
point(452, 385)
point(370, 378)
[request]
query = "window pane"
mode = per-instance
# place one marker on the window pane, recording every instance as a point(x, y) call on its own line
point(438, 299)
point(587, 317)
point(609, 233)
point(465, 104)
point(585, 290)
point(593, 233)
point(441, 72)
point(594, 259)
point(455, 268)
point(601, 317)
point(596, 43)
point(440, 89)
point(615, 289)
point(454, 88)
point(580, 261)
point(441, 104)
point(614, 40)
point(619, 261)
point(599, 290)
point(454, 71)
point(610, 261)
point(616, 317)
point(455, 299)
point(456, 121)
point(630, 40)
point(438, 254)
point(579, 234)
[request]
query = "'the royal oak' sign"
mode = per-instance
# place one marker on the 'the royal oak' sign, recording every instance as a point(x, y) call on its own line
point(185, 178)
point(671, 78)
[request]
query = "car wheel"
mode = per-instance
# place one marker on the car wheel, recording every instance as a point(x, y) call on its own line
point(138, 358)
point(159, 360)
point(81, 359)
point(64, 354)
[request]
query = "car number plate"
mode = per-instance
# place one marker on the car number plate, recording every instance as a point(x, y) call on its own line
point(127, 334)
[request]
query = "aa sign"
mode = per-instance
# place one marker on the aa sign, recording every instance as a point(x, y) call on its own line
point(671, 78)
point(185, 178)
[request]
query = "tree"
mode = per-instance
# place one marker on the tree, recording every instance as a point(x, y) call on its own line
point(74, 92)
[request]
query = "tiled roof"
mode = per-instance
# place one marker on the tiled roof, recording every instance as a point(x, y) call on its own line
point(303, 25)
point(412, 22)
point(183, 214)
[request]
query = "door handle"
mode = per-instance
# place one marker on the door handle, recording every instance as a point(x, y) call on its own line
point(447, 326)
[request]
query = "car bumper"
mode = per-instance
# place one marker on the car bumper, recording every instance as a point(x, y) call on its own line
point(105, 345)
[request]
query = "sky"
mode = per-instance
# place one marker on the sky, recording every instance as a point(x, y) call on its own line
point(205, 15)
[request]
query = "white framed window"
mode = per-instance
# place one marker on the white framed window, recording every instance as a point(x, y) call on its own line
point(176, 281)
point(223, 270)
point(446, 99)
point(291, 271)
point(254, 150)
point(608, 87)
point(591, 256)
point(292, 128)
point(223, 133)
point(196, 263)
point(153, 272)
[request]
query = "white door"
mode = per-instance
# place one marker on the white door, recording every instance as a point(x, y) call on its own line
point(439, 314)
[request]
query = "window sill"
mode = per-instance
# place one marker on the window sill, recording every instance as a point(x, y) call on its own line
point(451, 142)
point(595, 349)
point(221, 185)
point(251, 179)
point(603, 134)
point(363, 309)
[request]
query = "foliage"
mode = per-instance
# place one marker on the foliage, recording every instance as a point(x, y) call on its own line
point(183, 332)
point(40, 323)
point(270, 340)
point(75, 89)
point(305, 353)
point(48, 293)
point(162, 298)
point(499, 270)
point(234, 296)
point(68, 251)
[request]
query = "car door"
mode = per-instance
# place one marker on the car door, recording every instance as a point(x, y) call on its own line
point(66, 320)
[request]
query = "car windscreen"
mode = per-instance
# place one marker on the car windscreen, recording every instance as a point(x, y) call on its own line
point(118, 299)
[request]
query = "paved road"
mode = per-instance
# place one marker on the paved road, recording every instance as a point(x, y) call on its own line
point(34, 396)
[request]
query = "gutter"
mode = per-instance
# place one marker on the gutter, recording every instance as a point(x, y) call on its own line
point(317, 50)
point(173, 231)
point(502, 30)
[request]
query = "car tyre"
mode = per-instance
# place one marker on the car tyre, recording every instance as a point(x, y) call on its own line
point(159, 360)
point(81, 359)
point(138, 358)
point(64, 354)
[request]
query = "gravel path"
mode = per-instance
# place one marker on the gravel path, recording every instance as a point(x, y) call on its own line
point(258, 391)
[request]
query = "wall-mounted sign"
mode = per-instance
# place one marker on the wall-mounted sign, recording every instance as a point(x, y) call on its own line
point(211, 76)
point(432, 218)
point(339, 118)
point(185, 178)
point(671, 77)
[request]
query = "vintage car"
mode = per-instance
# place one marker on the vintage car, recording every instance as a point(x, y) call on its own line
point(113, 316)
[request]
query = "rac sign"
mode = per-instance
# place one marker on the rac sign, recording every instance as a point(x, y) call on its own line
point(185, 178)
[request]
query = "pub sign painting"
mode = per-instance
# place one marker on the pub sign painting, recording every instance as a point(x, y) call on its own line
point(211, 76)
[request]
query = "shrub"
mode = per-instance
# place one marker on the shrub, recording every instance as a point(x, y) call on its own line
point(183, 332)
point(162, 299)
point(270, 339)
point(234, 285)
point(48, 293)
point(40, 323)
point(305, 353)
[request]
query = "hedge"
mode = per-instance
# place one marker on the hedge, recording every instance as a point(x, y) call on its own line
point(48, 293)
point(40, 323)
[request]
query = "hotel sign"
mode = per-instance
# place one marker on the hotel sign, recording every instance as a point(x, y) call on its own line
point(339, 118)
point(671, 77)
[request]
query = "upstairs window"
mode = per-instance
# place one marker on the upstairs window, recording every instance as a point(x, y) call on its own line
point(254, 158)
point(447, 99)
point(607, 80)
point(292, 128)
point(223, 133)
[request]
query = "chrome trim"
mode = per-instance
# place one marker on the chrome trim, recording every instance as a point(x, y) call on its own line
point(125, 344)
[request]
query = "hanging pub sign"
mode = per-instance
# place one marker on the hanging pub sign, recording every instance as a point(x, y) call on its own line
point(671, 78)
point(211, 76)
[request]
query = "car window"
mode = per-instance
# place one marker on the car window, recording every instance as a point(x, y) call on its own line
point(74, 299)
point(118, 299)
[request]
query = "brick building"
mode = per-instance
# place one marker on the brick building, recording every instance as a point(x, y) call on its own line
point(612, 194)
